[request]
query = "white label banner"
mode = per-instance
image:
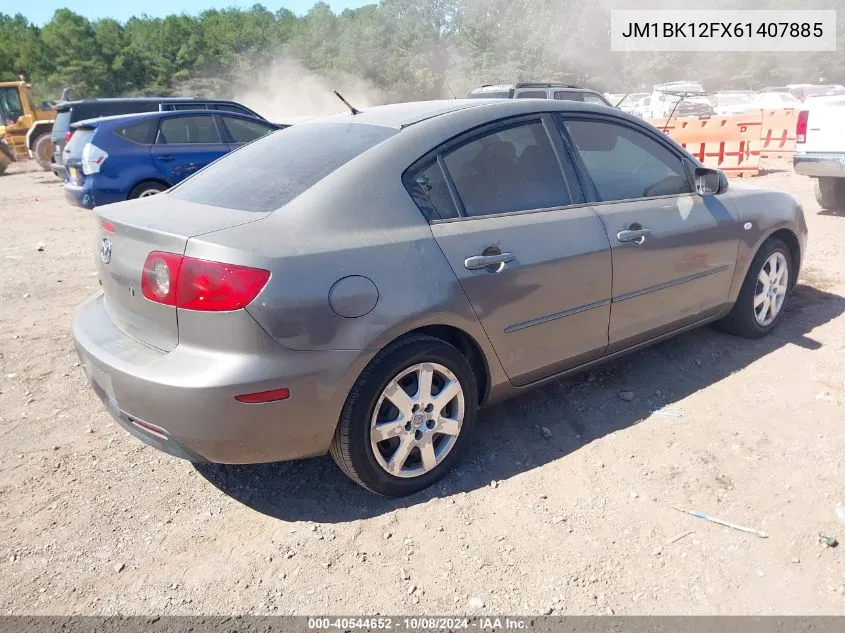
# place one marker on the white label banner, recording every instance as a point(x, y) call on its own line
point(723, 30)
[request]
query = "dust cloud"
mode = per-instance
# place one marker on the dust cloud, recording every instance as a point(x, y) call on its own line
point(285, 91)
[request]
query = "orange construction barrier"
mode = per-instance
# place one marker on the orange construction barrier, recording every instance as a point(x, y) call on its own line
point(777, 137)
point(731, 144)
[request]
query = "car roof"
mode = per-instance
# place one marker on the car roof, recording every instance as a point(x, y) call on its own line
point(402, 115)
point(66, 105)
point(142, 116)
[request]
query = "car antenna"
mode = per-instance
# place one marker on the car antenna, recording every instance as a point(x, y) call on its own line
point(450, 91)
point(622, 99)
point(351, 107)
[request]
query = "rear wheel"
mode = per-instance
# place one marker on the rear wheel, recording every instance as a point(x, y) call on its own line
point(43, 151)
point(145, 189)
point(764, 292)
point(407, 418)
point(830, 192)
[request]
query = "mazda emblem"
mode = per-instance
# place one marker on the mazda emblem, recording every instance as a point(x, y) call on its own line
point(105, 250)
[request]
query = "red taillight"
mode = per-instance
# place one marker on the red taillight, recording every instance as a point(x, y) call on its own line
point(198, 284)
point(68, 134)
point(264, 396)
point(801, 127)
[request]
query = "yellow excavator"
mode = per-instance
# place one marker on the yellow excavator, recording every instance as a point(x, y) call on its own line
point(24, 128)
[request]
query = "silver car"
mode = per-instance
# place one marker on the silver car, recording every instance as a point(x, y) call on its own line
point(361, 284)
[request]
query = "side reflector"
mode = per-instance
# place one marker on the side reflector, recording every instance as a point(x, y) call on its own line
point(108, 227)
point(264, 396)
point(149, 428)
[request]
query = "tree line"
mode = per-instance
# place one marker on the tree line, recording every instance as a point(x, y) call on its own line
point(407, 49)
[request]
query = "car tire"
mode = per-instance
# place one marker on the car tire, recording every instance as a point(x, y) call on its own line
point(148, 188)
point(366, 459)
point(830, 192)
point(748, 317)
point(42, 149)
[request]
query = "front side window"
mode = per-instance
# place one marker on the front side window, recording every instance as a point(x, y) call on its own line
point(512, 169)
point(625, 164)
point(244, 130)
point(189, 130)
point(589, 97)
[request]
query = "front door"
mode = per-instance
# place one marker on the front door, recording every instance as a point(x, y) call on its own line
point(534, 263)
point(674, 251)
point(186, 144)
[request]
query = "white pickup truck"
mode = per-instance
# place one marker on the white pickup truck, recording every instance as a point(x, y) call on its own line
point(820, 148)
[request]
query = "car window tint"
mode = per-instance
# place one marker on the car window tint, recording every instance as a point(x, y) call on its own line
point(228, 107)
point(189, 130)
point(531, 94)
point(568, 95)
point(143, 132)
point(626, 164)
point(272, 171)
point(514, 169)
point(427, 186)
point(244, 130)
point(589, 97)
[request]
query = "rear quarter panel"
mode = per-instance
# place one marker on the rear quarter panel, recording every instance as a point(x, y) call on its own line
point(128, 164)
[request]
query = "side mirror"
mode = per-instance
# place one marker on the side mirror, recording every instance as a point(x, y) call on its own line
point(709, 182)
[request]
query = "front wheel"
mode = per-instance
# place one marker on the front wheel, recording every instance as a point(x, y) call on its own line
point(764, 292)
point(407, 418)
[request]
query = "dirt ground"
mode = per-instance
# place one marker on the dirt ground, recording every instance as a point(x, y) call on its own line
point(563, 503)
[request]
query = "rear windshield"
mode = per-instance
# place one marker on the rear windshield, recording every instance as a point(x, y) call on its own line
point(78, 140)
point(272, 171)
point(62, 123)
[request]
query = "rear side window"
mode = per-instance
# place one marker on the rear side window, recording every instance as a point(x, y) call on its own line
point(513, 169)
point(189, 106)
point(228, 107)
point(428, 188)
point(189, 130)
point(244, 130)
point(569, 95)
point(272, 171)
point(531, 94)
point(143, 133)
point(96, 109)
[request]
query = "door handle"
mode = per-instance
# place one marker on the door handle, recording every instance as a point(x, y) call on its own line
point(490, 262)
point(637, 236)
point(166, 158)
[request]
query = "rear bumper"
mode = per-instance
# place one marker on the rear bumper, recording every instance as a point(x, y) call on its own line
point(820, 165)
point(183, 402)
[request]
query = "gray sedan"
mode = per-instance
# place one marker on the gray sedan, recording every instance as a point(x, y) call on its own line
point(361, 284)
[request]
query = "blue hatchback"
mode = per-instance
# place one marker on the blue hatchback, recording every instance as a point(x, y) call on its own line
point(131, 156)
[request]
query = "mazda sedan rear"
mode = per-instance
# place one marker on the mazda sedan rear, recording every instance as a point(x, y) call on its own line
point(361, 284)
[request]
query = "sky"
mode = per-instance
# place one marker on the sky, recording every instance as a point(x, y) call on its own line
point(39, 12)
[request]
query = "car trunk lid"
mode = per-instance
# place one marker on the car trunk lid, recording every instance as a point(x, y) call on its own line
point(126, 234)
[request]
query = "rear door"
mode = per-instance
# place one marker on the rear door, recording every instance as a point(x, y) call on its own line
point(186, 144)
point(533, 260)
point(674, 251)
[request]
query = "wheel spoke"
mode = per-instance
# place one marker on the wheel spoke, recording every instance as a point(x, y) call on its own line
point(400, 399)
point(387, 430)
point(764, 309)
point(763, 278)
point(397, 460)
point(448, 426)
point(424, 377)
point(759, 299)
point(446, 395)
point(429, 459)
